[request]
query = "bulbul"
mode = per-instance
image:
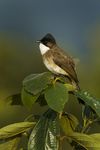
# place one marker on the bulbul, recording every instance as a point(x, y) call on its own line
point(56, 60)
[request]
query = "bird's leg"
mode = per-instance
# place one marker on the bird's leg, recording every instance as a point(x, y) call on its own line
point(56, 78)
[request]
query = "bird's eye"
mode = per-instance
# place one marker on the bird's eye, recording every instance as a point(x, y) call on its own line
point(45, 42)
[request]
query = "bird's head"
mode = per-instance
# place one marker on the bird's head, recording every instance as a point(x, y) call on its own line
point(48, 40)
point(46, 43)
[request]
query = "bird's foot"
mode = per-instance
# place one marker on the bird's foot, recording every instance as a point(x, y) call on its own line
point(55, 80)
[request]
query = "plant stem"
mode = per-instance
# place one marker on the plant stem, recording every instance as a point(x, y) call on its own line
point(86, 126)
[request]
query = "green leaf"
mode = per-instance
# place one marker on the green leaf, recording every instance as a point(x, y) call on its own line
point(87, 141)
point(38, 136)
point(70, 87)
point(56, 97)
point(68, 123)
point(89, 100)
point(28, 99)
point(14, 99)
point(43, 136)
point(53, 132)
point(15, 129)
point(11, 144)
point(96, 136)
point(36, 83)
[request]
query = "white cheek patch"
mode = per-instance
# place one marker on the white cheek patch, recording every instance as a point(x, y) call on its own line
point(43, 48)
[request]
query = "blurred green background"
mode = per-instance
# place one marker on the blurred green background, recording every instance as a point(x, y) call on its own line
point(76, 26)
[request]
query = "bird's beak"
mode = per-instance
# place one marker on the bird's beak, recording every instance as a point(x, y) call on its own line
point(38, 41)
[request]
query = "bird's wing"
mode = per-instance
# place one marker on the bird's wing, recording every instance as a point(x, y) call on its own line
point(66, 63)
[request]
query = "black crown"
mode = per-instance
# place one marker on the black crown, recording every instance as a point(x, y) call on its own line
point(48, 38)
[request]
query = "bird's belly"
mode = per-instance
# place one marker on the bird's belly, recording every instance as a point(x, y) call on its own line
point(50, 65)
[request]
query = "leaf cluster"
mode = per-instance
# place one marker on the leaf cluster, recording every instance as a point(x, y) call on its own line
point(52, 127)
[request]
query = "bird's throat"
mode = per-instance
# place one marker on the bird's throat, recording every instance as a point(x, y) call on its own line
point(43, 48)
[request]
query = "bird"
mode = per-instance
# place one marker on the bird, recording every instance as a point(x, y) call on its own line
point(56, 60)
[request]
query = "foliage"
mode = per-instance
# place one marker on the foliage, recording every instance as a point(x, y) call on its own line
point(53, 126)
